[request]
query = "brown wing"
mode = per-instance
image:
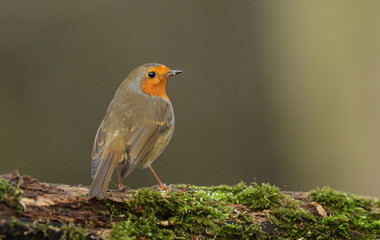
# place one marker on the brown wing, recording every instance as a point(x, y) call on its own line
point(98, 148)
point(143, 138)
point(104, 160)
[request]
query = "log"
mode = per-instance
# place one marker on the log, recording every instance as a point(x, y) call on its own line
point(30, 209)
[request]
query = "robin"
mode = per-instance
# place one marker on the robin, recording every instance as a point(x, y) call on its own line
point(137, 127)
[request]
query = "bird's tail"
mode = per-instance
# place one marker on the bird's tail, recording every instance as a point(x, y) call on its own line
point(102, 178)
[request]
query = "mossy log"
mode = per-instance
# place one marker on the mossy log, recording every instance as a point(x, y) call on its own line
point(30, 209)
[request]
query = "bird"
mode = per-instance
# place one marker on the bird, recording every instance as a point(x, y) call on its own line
point(136, 128)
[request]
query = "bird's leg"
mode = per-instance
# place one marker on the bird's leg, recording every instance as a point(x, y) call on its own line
point(158, 179)
point(118, 175)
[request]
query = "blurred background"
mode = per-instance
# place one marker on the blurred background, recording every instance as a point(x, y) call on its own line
point(287, 92)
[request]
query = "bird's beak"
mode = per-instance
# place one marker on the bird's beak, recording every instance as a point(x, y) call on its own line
point(173, 73)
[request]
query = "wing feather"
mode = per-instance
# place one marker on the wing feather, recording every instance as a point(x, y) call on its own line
point(143, 138)
point(97, 150)
point(141, 145)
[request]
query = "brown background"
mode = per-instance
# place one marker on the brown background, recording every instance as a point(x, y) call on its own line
point(286, 92)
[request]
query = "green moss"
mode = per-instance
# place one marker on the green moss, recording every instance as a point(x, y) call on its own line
point(254, 196)
point(44, 230)
point(221, 188)
point(339, 201)
point(10, 194)
point(264, 197)
point(182, 214)
point(290, 221)
point(72, 232)
point(348, 215)
point(140, 227)
point(185, 212)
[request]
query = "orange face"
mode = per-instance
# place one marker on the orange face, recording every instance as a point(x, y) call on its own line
point(155, 81)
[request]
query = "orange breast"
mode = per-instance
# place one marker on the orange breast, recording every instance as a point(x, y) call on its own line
point(155, 87)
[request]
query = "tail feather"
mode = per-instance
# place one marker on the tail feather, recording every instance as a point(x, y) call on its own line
point(102, 178)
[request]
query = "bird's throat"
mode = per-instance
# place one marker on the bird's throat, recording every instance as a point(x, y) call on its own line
point(153, 87)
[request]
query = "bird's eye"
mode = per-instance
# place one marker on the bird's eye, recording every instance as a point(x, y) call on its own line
point(151, 74)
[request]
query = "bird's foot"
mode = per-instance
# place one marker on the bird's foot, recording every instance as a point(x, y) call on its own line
point(162, 186)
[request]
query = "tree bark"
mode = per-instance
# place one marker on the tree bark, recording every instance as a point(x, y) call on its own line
point(57, 211)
